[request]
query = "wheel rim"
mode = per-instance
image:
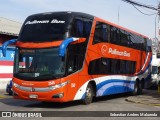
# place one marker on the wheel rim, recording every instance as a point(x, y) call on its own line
point(136, 89)
point(88, 95)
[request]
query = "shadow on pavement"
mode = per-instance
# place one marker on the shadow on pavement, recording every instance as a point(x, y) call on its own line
point(9, 100)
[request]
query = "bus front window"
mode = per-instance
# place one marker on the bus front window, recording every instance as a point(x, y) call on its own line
point(40, 64)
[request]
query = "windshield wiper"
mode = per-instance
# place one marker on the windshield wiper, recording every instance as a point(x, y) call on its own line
point(47, 75)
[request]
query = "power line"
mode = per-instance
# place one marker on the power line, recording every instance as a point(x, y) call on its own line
point(143, 12)
point(140, 4)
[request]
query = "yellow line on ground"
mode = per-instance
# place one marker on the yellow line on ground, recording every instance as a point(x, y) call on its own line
point(2, 97)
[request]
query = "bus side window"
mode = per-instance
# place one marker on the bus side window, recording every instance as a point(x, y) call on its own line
point(122, 66)
point(77, 28)
point(87, 28)
point(81, 28)
point(114, 35)
point(124, 38)
point(101, 33)
point(99, 66)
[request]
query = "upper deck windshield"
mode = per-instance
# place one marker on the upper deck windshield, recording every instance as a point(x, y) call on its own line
point(54, 26)
point(39, 64)
point(45, 27)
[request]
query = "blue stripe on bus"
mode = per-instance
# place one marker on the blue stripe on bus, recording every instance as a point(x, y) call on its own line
point(113, 80)
point(113, 89)
point(146, 67)
point(116, 89)
point(114, 86)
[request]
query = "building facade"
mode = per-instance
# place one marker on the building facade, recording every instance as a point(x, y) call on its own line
point(8, 30)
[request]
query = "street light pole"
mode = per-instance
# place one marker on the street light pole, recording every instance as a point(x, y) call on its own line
point(158, 27)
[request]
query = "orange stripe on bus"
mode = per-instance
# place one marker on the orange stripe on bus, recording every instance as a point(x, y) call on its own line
point(38, 45)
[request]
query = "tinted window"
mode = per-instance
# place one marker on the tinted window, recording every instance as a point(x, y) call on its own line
point(138, 42)
point(114, 35)
point(45, 27)
point(107, 33)
point(75, 57)
point(81, 28)
point(111, 66)
point(101, 33)
point(124, 38)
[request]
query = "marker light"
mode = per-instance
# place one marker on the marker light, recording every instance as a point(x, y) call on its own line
point(59, 85)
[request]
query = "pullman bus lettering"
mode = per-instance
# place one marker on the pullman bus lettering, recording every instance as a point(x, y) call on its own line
point(36, 22)
point(116, 52)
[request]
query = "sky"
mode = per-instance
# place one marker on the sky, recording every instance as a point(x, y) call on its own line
point(129, 17)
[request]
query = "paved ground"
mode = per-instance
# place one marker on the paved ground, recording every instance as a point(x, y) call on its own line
point(149, 97)
point(149, 101)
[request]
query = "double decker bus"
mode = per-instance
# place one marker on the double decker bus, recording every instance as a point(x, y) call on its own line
point(66, 56)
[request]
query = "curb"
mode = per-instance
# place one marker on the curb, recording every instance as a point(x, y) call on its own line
point(138, 102)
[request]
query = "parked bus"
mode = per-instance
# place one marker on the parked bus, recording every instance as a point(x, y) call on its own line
point(154, 73)
point(66, 56)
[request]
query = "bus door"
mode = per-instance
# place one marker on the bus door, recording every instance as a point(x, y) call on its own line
point(80, 28)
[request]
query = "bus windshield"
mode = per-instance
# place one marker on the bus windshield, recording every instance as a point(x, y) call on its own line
point(39, 64)
point(41, 28)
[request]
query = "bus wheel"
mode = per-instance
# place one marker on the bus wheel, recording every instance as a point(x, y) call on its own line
point(140, 88)
point(136, 89)
point(88, 95)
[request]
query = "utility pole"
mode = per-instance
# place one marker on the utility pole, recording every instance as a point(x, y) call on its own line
point(158, 27)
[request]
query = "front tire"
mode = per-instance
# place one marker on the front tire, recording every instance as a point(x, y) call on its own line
point(88, 95)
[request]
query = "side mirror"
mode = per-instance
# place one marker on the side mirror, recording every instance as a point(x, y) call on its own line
point(64, 44)
point(4, 46)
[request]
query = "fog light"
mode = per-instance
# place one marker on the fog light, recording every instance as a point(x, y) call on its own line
point(60, 95)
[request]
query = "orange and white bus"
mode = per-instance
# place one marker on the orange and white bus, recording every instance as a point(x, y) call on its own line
point(66, 56)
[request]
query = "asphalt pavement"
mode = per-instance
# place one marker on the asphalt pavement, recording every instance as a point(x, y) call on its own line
point(3, 93)
point(148, 97)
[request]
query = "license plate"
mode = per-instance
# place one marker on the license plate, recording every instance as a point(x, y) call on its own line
point(33, 96)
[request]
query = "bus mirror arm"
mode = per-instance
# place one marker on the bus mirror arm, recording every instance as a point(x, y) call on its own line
point(5, 44)
point(64, 44)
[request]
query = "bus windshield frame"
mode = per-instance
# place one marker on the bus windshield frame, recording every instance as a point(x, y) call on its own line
point(39, 64)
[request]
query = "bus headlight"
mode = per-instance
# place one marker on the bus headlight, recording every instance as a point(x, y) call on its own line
point(15, 85)
point(59, 85)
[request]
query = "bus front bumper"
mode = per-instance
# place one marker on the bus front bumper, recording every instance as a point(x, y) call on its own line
point(57, 95)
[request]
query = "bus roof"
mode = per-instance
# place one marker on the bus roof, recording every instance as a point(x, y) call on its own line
point(85, 15)
point(76, 14)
